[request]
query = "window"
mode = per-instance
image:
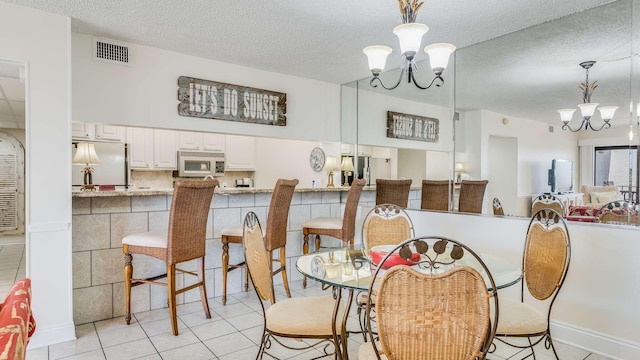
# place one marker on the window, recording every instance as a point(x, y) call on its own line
point(618, 165)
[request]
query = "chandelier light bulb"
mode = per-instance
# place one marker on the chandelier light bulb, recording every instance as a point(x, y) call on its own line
point(410, 37)
point(588, 109)
point(439, 56)
point(377, 57)
point(566, 114)
point(606, 112)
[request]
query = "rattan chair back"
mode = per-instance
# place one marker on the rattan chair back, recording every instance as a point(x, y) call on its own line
point(546, 201)
point(386, 224)
point(441, 311)
point(435, 194)
point(472, 196)
point(497, 207)
point(617, 212)
point(188, 219)
point(276, 236)
point(393, 192)
point(546, 255)
point(256, 258)
point(351, 210)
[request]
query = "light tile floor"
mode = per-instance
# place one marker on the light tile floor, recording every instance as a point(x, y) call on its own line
point(12, 266)
point(233, 333)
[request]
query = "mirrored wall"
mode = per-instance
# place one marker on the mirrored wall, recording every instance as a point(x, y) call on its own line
point(501, 123)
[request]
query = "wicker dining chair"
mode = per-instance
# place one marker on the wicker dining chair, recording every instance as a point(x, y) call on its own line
point(545, 263)
point(435, 194)
point(298, 318)
point(393, 192)
point(445, 310)
point(340, 228)
point(184, 240)
point(497, 207)
point(276, 235)
point(547, 201)
point(385, 224)
point(472, 196)
point(618, 212)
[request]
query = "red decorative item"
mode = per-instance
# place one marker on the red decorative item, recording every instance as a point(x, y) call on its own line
point(377, 253)
point(16, 322)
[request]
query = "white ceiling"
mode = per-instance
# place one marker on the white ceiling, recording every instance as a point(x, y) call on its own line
point(323, 39)
point(11, 96)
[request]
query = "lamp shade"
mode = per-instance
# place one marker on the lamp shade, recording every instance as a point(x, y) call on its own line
point(377, 57)
point(588, 109)
point(439, 56)
point(86, 154)
point(606, 112)
point(410, 37)
point(566, 114)
point(331, 164)
point(459, 166)
point(347, 164)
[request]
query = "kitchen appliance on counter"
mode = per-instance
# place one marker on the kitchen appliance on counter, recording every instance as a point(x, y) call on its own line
point(200, 164)
point(244, 182)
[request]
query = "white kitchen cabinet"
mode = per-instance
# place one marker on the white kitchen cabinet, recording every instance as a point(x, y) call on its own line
point(213, 142)
point(346, 149)
point(364, 150)
point(239, 153)
point(110, 132)
point(189, 140)
point(82, 131)
point(152, 149)
point(380, 152)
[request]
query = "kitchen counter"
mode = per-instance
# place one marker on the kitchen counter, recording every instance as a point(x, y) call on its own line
point(224, 191)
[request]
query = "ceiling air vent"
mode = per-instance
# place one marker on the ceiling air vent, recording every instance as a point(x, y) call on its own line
point(111, 51)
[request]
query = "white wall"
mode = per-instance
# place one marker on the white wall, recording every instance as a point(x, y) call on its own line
point(596, 308)
point(145, 94)
point(41, 40)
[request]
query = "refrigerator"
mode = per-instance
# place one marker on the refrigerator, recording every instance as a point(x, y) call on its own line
point(113, 167)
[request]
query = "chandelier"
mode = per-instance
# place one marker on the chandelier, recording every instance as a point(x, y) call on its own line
point(587, 108)
point(410, 37)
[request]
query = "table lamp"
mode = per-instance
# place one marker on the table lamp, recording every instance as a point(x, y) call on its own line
point(347, 167)
point(330, 166)
point(86, 155)
point(459, 170)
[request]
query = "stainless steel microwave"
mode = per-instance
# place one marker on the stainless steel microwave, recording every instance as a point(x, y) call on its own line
point(200, 164)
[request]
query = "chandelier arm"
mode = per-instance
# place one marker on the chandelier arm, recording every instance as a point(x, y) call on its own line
point(567, 127)
point(415, 82)
point(376, 77)
point(606, 125)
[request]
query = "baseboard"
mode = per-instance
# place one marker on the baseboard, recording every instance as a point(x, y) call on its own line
point(45, 337)
point(597, 342)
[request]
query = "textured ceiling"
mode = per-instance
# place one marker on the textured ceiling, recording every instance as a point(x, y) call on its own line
point(11, 96)
point(518, 57)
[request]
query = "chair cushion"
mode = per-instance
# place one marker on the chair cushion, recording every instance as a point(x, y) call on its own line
point(323, 223)
point(157, 239)
point(302, 316)
point(518, 318)
point(366, 352)
point(232, 231)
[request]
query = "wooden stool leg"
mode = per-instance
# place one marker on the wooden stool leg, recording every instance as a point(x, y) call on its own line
point(171, 292)
point(246, 278)
point(225, 267)
point(283, 270)
point(128, 272)
point(317, 243)
point(305, 251)
point(203, 289)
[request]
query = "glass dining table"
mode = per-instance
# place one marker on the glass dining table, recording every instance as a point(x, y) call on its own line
point(333, 267)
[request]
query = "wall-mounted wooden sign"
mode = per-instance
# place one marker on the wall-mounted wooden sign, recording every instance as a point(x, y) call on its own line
point(215, 100)
point(412, 127)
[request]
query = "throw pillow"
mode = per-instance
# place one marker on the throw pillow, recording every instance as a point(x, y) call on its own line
point(605, 197)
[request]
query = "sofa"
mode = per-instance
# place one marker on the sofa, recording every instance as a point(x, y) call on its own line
point(17, 324)
point(593, 198)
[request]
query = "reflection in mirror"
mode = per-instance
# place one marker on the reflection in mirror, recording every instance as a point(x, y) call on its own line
point(12, 170)
point(508, 91)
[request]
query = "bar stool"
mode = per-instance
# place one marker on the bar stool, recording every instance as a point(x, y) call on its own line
point(394, 192)
point(435, 194)
point(275, 236)
point(339, 228)
point(184, 240)
point(472, 196)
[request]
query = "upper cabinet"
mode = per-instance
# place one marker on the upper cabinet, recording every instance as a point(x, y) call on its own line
point(195, 141)
point(152, 149)
point(84, 131)
point(240, 153)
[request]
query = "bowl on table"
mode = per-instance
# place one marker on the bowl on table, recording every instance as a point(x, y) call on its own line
point(377, 253)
